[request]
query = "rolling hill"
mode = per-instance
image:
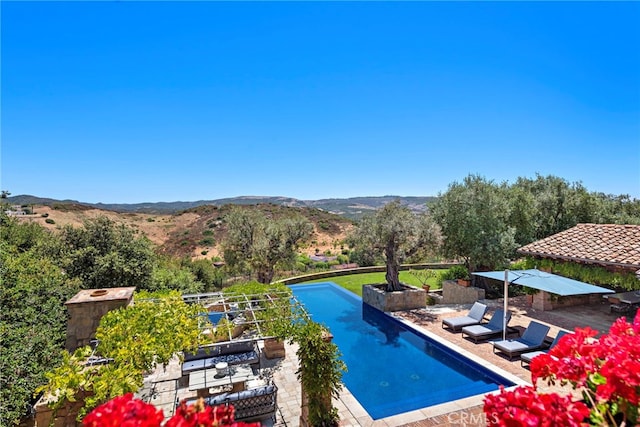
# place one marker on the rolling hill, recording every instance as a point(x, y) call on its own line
point(352, 208)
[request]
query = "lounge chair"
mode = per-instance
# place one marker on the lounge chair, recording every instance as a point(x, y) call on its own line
point(532, 339)
point(527, 357)
point(494, 327)
point(474, 317)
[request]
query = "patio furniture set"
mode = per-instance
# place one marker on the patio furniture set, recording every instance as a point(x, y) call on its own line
point(623, 302)
point(229, 373)
point(528, 346)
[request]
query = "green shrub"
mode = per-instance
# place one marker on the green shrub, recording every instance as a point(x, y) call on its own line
point(459, 272)
point(303, 259)
point(207, 233)
point(204, 252)
point(207, 241)
point(150, 219)
point(49, 221)
point(321, 265)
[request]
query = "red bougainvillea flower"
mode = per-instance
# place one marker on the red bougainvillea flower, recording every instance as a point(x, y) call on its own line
point(200, 415)
point(571, 359)
point(636, 323)
point(608, 369)
point(523, 407)
point(124, 411)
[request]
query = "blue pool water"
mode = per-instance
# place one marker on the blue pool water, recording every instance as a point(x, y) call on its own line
point(391, 369)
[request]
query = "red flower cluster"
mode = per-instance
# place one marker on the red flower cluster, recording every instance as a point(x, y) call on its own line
point(524, 407)
point(200, 415)
point(606, 369)
point(571, 359)
point(126, 411)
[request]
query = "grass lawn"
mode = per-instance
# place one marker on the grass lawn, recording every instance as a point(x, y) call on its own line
point(354, 282)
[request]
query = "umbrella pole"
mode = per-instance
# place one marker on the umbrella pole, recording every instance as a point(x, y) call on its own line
point(506, 303)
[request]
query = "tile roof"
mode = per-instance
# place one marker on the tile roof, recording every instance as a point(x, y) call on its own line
point(608, 244)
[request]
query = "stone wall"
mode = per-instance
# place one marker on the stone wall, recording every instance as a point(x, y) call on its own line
point(360, 270)
point(408, 299)
point(65, 416)
point(546, 301)
point(453, 293)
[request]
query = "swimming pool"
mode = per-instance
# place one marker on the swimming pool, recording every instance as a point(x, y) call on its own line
point(391, 368)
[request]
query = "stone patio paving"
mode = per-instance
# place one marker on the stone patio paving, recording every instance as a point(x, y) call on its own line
point(466, 412)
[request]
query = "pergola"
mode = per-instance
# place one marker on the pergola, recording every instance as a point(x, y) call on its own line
point(246, 314)
point(244, 311)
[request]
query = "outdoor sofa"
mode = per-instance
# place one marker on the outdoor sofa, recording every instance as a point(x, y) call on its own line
point(233, 353)
point(494, 327)
point(250, 405)
point(474, 317)
point(527, 357)
point(532, 339)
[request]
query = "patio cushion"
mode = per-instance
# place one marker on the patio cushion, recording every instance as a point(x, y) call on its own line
point(532, 339)
point(494, 327)
point(474, 317)
point(528, 356)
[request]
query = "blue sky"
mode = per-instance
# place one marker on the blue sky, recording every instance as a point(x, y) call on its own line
point(141, 101)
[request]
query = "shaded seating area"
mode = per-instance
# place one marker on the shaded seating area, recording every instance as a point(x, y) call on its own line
point(250, 405)
point(233, 369)
point(474, 317)
point(525, 358)
point(493, 328)
point(232, 353)
point(532, 339)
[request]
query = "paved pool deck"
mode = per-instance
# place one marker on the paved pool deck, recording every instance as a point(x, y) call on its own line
point(464, 412)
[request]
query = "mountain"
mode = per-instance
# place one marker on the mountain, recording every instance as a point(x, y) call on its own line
point(352, 208)
point(356, 207)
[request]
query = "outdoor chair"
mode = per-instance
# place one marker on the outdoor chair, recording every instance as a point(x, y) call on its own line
point(494, 327)
point(527, 357)
point(617, 306)
point(474, 317)
point(532, 339)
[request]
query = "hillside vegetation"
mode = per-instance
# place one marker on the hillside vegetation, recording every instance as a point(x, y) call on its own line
point(195, 232)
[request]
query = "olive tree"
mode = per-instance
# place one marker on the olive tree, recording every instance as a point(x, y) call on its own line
point(257, 244)
point(396, 233)
point(474, 217)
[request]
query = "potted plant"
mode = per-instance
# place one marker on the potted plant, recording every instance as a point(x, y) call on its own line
point(460, 273)
point(423, 277)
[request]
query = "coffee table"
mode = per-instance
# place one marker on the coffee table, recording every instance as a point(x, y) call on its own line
point(208, 378)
